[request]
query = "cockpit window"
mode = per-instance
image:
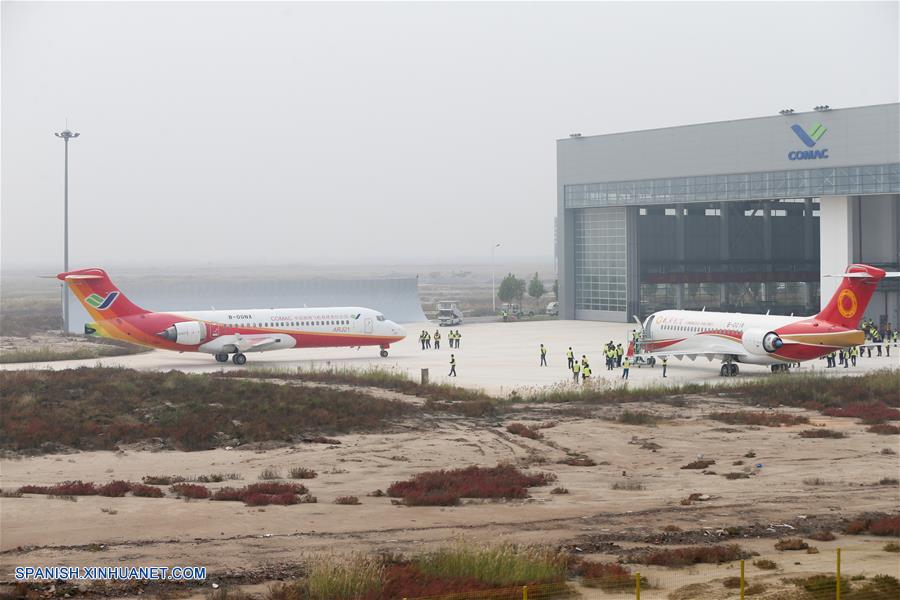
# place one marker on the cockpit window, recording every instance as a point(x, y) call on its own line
point(380, 317)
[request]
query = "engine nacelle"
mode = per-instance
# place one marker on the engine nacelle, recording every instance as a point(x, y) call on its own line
point(760, 341)
point(188, 333)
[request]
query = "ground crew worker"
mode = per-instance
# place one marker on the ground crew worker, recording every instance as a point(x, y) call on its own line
point(585, 372)
point(458, 337)
point(437, 339)
point(570, 357)
point(422, 339)
point(428, 340)
point(619, 353)
point(869, 346)
point(576, 370)
point(854, 352)
point(625, 365)
point(665, 364)
point(611, 358)
point(583, 362)
point(543, 356)
point(452, 372)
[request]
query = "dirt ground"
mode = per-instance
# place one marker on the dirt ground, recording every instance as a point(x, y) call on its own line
point(249, 544)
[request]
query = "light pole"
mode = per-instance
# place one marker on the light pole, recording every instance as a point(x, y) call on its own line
point(493, 284)
point(66, 135)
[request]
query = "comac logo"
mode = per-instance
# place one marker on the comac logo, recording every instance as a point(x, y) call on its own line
point(101, 303)
point(809, 139)
point(847, 303)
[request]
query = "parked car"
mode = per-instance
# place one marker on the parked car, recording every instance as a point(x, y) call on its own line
point(553, 309)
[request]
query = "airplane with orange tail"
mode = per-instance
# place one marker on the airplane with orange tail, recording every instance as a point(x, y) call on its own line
point(226, 332)
point(762, 339)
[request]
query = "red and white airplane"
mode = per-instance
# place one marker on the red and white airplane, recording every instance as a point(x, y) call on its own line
point(224, 332)
point(763, 339)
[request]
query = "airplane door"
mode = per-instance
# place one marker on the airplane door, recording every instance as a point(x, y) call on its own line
point(215, 330)
point(369, 326)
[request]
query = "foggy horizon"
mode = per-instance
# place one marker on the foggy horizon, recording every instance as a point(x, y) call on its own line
point(234, 134)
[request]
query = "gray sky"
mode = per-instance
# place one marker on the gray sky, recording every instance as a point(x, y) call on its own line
point(223, 133)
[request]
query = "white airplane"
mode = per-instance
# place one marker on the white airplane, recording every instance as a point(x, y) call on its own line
point(224, 332)
point(763, 339)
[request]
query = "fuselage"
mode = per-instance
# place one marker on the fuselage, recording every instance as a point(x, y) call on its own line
point(217, 331)
point(747, 338)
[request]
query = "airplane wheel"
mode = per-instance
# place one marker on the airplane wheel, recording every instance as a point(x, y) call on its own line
point(222, 357)
point(734, 370)
point(723, 372)
point(384, 353)
point(239, 359)
point(776, 368)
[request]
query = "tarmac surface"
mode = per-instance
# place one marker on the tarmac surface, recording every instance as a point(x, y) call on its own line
point(496, 357)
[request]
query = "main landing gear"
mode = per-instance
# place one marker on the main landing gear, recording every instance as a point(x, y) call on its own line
point(221, 357)
point(239, 358)
point(781, 368)
point(729, 369)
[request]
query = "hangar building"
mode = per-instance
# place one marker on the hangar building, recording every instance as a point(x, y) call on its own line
point(743, 216)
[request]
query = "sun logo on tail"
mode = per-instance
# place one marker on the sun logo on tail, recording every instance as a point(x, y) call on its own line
point(101, 303)
point(847, 303)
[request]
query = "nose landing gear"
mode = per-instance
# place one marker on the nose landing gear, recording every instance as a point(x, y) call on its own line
point(384, 351)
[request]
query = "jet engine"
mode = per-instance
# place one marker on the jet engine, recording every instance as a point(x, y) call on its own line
point(760, 341)
point(188, 333)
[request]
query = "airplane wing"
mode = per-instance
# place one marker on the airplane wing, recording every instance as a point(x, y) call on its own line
point(243, 343)
point(709, 355)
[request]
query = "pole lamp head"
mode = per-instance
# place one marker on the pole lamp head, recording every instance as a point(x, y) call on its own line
point(66, 134)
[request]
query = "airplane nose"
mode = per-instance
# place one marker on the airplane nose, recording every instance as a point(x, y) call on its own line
point(398, 330)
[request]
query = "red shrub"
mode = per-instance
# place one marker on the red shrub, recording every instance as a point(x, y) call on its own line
point(146, 491)
point(66, 488)
point(878, 526)
point(445, 488)
point(690, 555)
point(609, 576)
point(262, 494)
point(191, 490)
point(885, 526)
point(869, 412)
point(578, 461)
point(114, 489)
point(74, 488)
point(405, 580)
point(265, 499)
point(321, 440)
point(275, 488)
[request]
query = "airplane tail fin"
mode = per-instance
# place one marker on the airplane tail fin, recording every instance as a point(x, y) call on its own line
point(849, 302)
point(99, 296)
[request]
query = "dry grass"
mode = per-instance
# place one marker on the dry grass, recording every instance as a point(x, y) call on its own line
point(699, 464)
point(689, 555)
point(523, 430)
point(348, 500)
point(791, 544)
point(822, 433)
point(759, 418)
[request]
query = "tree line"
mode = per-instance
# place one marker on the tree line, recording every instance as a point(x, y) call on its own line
point(513, 289)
